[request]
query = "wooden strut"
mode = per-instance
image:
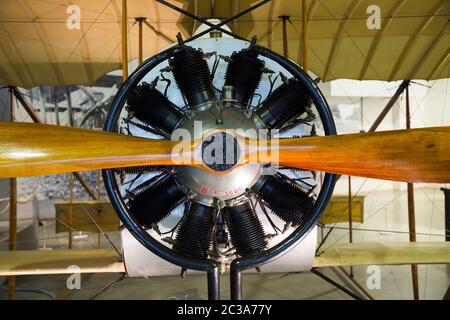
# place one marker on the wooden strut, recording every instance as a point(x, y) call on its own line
point(284, 20)
point(411, 210)
point(124, 41)
point(356, 283)
point(36, 119)
point(305, 35)
point(140, 20)
point(12, 210)
point(350, 218)
point(446, 295)
point(386, 109)
point(70, 209)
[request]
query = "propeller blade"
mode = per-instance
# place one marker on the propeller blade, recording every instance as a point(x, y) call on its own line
point(29, 149)
point(415, 155)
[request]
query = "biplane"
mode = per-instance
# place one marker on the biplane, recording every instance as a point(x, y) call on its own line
point(212, 148)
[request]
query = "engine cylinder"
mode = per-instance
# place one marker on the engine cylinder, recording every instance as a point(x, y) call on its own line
point(152, 108)
point(287, 200)
point(196, 231)
point(246, 232)
point(152, 203)
point(192, 75)
point(244, 74)
point(286, 102)
point(137, 169)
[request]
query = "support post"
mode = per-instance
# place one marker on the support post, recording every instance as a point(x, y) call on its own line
point(213, 284)
point(42, 99)
point(447, 213)
point(356, 283)
point(124, 41)
point(70, 209)
point(85, 185)
point(140, 20)
point(12, 209)
point(411, 209)
point(305, 35)
point(335, 284)
point(389, 105)
point(284, 20)
point(33, 115)
point(447, 295)
point(350, 217)
point(55, 105)
point(69, 106)
point(235, 283)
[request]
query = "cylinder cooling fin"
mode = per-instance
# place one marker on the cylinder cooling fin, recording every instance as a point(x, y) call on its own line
point(192, 75)
point(195, 233)
point(286, 102)
point(244, 74)
point(137, 169)
point(152, 108)
point(228, 209)
point(286, 199)
point(246, 231)
point(151, 203)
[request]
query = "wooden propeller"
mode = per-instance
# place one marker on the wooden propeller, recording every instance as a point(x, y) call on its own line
point(417, 155)
point(28, 149)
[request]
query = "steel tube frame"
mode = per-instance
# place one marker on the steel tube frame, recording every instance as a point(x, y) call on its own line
point(235, 284)
point(214, 26)
point(335, 284)
point(205, 21)
point(213, 276)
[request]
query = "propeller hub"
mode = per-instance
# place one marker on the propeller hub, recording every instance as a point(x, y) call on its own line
point(221, 150)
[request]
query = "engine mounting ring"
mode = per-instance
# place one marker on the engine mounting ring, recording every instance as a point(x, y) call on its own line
point(209, 265)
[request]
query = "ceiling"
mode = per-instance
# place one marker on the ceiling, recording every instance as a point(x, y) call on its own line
point(37, 48)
